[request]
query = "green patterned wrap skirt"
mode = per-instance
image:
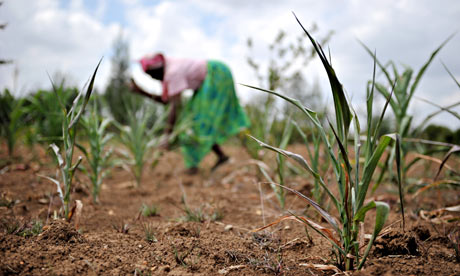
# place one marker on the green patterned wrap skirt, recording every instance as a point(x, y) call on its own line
point(215, 114)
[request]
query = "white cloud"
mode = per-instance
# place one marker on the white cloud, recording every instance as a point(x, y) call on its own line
point(45, 36)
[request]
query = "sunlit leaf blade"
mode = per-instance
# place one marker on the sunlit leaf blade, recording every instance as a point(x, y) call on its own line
point(310, 114)
point(454, 149)
point(446, 109)
point(57, 154)
point(435, 184)
point(313, 116)
point(87, 96)
point(425, 66)
point(342, 109)
point(324, 231)
point(451, 75)
point(435, 160)
point(374, 56)
point(421, 126)
point(58, 185)
point(329, 218)
point(429, 142)
point(303, 163)
point(382, 210)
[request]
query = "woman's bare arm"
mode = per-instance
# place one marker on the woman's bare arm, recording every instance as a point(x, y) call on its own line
point(135, 88)
point(175, 101)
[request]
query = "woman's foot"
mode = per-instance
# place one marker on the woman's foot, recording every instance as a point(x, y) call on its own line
point(192, 171)
point(222, 159)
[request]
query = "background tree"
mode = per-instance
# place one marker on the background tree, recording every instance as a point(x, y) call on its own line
point(3, 26)
point(283, 73)
point(117, 95)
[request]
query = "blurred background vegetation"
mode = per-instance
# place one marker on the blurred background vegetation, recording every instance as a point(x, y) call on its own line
point(36, 118)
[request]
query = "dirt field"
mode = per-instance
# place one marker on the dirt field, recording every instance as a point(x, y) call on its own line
point(233, 201)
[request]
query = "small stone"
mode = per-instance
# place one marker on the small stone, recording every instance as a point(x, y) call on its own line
point(228, 227)
point(165, 268)
point(223, 271)
point(140, 246)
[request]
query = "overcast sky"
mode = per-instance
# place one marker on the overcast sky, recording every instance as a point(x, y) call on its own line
point(71, 36)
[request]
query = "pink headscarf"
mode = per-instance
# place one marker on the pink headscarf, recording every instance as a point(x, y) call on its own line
point(152, 62)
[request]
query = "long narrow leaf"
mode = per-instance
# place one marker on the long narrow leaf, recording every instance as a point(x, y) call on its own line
point(369, 107)
point(86, 99)
point(57, 154)
point(394, 104)
point(421, 126)
point(435, 184)
point(343, 151)
point(454, 149)
point(369, 168)
point(342, 109)
point(58, 185)
point(380, 217)
point(313, 116)
point(425, 66)
point(389, 79)
point(451, 75)
point(328, 217)
point(435, 160)
point(382, 115)
point(303, 163)
point(398, 168)
point(447, 109)
point(323, 231)
point(55, 90)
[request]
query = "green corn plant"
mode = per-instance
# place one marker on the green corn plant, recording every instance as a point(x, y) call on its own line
point(67, 166)
point(97, 157)
point(280, 161)
point(11, 119)
point(404, 92)
point(314, 160)
point(140, 139)
point(45, 116)
point(149, 210)
point(262, 123)
point(143, 134)
point(353, 181)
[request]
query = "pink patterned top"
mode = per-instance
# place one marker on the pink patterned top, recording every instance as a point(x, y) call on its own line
point(181, 74)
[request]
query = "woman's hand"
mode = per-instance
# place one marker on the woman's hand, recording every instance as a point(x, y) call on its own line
point(133, 86)
point(164, 142)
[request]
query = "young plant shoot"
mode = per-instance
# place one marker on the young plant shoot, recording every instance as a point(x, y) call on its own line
point(353, 181)
point(67, 166)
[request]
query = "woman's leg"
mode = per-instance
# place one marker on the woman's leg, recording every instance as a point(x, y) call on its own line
point(221, 157)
